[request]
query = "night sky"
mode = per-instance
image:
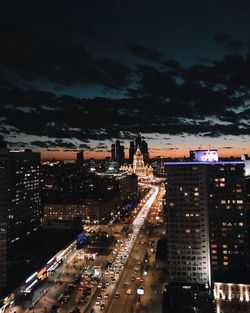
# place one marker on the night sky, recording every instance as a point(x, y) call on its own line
point(81, 74)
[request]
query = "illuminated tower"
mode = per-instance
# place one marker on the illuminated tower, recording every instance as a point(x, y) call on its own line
point(138, 163)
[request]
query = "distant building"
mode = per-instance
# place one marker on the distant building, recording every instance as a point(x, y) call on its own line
point(92, 196)
point(117, 152)
point(138, 168)
point(91, 211)
point(131, 151)
point(142, 145)
point(20, 202)
point(113, 152)
point(80, 158)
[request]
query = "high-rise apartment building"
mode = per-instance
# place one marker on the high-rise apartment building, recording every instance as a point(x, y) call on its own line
point(206, 222)
point(187, 223)
point(227, 217)
point(4, 204)
point(20, 202)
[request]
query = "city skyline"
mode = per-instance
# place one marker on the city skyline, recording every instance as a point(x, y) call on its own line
point(70, 80)
point(166, 151)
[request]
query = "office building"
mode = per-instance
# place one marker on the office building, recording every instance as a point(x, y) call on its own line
point(188, 254)
point(20, 202)
point(131, 151)
point(92, 196)
point(142, 145)
point(113, 152)
point(206, 222)
point(80, 158)
point(117, 152)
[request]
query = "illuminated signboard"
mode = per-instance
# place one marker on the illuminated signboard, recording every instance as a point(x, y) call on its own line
point(42, 277)
point(42, 274)
point(206, 155)
point(80, 239)
point(140, 291)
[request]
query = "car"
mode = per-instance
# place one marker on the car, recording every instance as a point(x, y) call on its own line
point(117, 295)
point(113, 280)
point(99, 297)
point(107, 283)
point(97, 302)
point(102, 306)
point(63, 299)
point(141, 279)
point(99, 286)
point(54, 308)
point(129, 291)
point(83, 300)
point(106, 296)
point(104, 288)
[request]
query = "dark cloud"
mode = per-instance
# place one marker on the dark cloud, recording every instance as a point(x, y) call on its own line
point(230, 44)
point(43, 144)
point(144, 52)
point(28, 55)
point(236, 45)
point(101, 146)
point(174, 65)
point(227, 148)
point(183, 109)
point(222, 38)
point(68, 47)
